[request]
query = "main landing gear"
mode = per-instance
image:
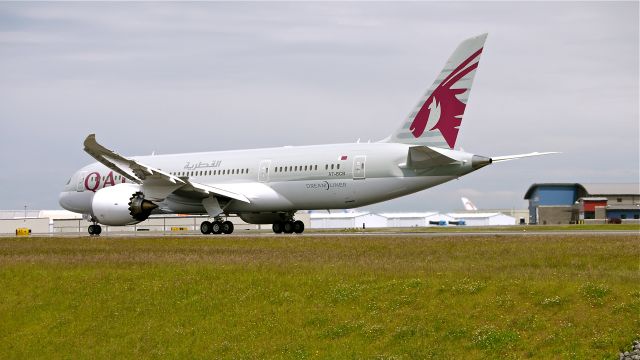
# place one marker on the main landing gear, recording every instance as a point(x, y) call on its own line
point(288, 227)
point(216, 227)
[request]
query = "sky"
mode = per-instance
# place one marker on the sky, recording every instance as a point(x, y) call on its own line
point(186, 77)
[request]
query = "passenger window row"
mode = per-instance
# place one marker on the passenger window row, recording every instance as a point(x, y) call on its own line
point(298, 168)
point(280, 169)
point(211, 172)
point(295, 168)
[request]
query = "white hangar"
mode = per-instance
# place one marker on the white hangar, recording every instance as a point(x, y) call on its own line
point(417, 219)
point(484, 219)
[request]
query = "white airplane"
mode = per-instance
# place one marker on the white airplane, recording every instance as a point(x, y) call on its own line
point(468, 205)
point(268, 186)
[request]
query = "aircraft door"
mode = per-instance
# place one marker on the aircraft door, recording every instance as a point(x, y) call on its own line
point(359, 167)
point(263, 171)
point(80, 184)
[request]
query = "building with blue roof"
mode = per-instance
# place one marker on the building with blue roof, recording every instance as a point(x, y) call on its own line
point(567, 203)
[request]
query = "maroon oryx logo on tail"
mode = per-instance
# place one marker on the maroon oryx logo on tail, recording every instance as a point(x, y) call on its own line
point(443, 110)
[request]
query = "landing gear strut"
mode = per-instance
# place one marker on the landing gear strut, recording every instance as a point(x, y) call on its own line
point(288, 227)
point(216, 227)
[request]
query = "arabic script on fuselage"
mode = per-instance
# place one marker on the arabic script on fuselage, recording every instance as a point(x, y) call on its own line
point(201, 165)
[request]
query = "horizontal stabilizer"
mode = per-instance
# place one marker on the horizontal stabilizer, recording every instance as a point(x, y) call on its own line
point(520, 156)
point(423, 157)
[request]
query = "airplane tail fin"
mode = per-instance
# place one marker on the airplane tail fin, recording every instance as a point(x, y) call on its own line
point(468, 205)
point(436, 119)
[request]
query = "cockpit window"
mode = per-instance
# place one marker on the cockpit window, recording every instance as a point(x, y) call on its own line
point(68, 181)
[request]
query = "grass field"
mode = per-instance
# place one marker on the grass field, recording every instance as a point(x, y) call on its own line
point(402, 297)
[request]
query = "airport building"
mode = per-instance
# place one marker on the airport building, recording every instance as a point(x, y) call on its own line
point(571, 203)
point(416, 219)
point(484, 218)
point(520, 216)
point(366, 220)
point(346, 220)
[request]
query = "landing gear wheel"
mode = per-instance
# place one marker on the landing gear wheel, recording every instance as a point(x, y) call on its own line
point(95, 229)
point(288, 227)
point(277, 227)
point(205, 227)
point(298, 227)
point(216, 227)
point(227, 227)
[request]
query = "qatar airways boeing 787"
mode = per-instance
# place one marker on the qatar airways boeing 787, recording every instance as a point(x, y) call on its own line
point(268, 186)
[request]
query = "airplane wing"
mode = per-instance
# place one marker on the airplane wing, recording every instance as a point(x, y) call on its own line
point(156, 183)
point(520, 156)
point(129, 168)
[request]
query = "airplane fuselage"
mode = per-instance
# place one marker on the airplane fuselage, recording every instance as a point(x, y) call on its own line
point(335, 176)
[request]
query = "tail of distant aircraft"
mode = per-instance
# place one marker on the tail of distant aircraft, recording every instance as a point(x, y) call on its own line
point(468, 205)
point(436, 119)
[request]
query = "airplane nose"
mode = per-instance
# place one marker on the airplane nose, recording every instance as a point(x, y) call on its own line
point(79, 202)
point(63, 200)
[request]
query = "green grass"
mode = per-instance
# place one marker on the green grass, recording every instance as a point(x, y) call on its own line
point(296, 297)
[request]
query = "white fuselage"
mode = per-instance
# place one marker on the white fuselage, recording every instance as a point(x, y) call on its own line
point(285, 179)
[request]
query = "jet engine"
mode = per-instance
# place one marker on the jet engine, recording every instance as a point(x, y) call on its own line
point(261, 218)
point(122, 204)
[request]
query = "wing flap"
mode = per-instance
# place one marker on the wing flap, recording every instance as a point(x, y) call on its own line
point(213, 190)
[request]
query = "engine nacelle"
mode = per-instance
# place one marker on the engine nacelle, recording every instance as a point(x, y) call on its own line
point(120, 205)
point(261, 218)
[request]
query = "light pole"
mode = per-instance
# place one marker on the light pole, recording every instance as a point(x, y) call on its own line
point(25, 212)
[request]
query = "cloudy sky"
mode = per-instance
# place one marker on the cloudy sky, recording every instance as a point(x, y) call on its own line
point(169, 77)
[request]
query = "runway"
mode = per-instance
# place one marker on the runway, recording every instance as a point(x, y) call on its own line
point(351, 234)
